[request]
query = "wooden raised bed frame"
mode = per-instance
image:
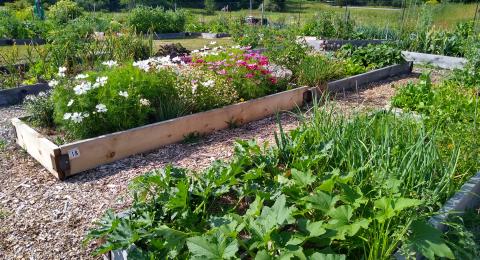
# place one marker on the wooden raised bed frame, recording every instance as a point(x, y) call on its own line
point(69, 159)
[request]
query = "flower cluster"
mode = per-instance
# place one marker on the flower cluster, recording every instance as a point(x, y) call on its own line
point(158, 63)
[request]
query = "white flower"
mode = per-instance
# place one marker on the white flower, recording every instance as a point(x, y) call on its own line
point(61, 71)
point(101, 108)
point(81, 76)
point(194, 88)
point(42, 94)
point(123, 94)
point(70, 103)
point(67, 116)
point(53, 83)
point(76, 117)
point(82, 88)
point(208, 83)
point(101, 81)
point(144, 102)
point(213, 42)
point(176, 59)
point(110, 63)
point(195, 51)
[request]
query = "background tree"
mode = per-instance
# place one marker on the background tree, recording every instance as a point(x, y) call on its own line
point(210, 6)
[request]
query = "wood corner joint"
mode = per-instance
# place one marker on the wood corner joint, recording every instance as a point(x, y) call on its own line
point(61, 164)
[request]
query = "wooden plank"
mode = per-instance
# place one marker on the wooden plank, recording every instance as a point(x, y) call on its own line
point(14, 96)
point(332, 45)
point(108, 148)
point(351, 83)
point(444, 62)
point(39, 147)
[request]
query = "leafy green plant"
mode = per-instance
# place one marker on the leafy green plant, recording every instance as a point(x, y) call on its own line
point(40, 109)
point(329, 26)
point(415, 97)
point(334, 187)
point(64, 11)
point(156, 20)
point(371, 56)
point(463, 235)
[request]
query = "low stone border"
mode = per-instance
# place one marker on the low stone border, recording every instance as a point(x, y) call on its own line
point(444, 62)
point(14, 96)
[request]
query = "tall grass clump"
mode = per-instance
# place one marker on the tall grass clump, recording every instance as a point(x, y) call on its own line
point(335, 187)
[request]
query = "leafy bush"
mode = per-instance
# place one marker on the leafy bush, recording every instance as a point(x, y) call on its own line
point(318, 70)
point(328, 25)
point(415, 97)
point(371, 56)
point(64, 11)
point(15, 28)
point(156, 20)
point(284, 49)
point(333, 188)
point(434, 41)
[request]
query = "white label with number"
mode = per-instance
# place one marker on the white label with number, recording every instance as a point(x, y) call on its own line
point(73, 153)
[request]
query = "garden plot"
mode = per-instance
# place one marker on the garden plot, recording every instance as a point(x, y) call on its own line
point(64, 211)
point(68, 159)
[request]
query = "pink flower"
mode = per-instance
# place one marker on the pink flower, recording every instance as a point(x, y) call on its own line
point(199, 61)
point(273, 80)
point(252, 66)
point(222, 72)
point(241, 62)
point(249, 75)
point(265, 72)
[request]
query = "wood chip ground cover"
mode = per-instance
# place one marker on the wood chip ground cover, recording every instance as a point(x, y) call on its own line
point(43, 218)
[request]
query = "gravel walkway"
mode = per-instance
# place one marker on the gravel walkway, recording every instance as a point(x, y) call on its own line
point(42, 218)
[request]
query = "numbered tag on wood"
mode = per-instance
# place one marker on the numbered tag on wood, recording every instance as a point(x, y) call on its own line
point(73, 153)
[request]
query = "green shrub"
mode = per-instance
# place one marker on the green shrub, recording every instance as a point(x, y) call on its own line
point(329, 25)
point(371, 56)
point(64, 10)
point(156, 20)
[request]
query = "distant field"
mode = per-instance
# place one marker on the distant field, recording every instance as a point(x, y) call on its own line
point(195, 43)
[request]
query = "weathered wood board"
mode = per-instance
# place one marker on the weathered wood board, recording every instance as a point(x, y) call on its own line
point(357, 81)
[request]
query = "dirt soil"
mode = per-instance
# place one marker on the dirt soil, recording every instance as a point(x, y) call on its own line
point(43, 218)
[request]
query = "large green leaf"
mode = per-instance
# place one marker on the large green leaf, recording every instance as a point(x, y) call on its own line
point(302, 179)
point(179, 199)
point(388, 207)
point(321, 201)
point(428, 241)
point(212, 247)
point(320, 256)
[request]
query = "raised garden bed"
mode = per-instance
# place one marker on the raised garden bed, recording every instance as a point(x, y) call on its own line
point(332, 45)
point(69, 159)
point(164, 36)
point(7, 42)
point(444, 62)
point(14, 96)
